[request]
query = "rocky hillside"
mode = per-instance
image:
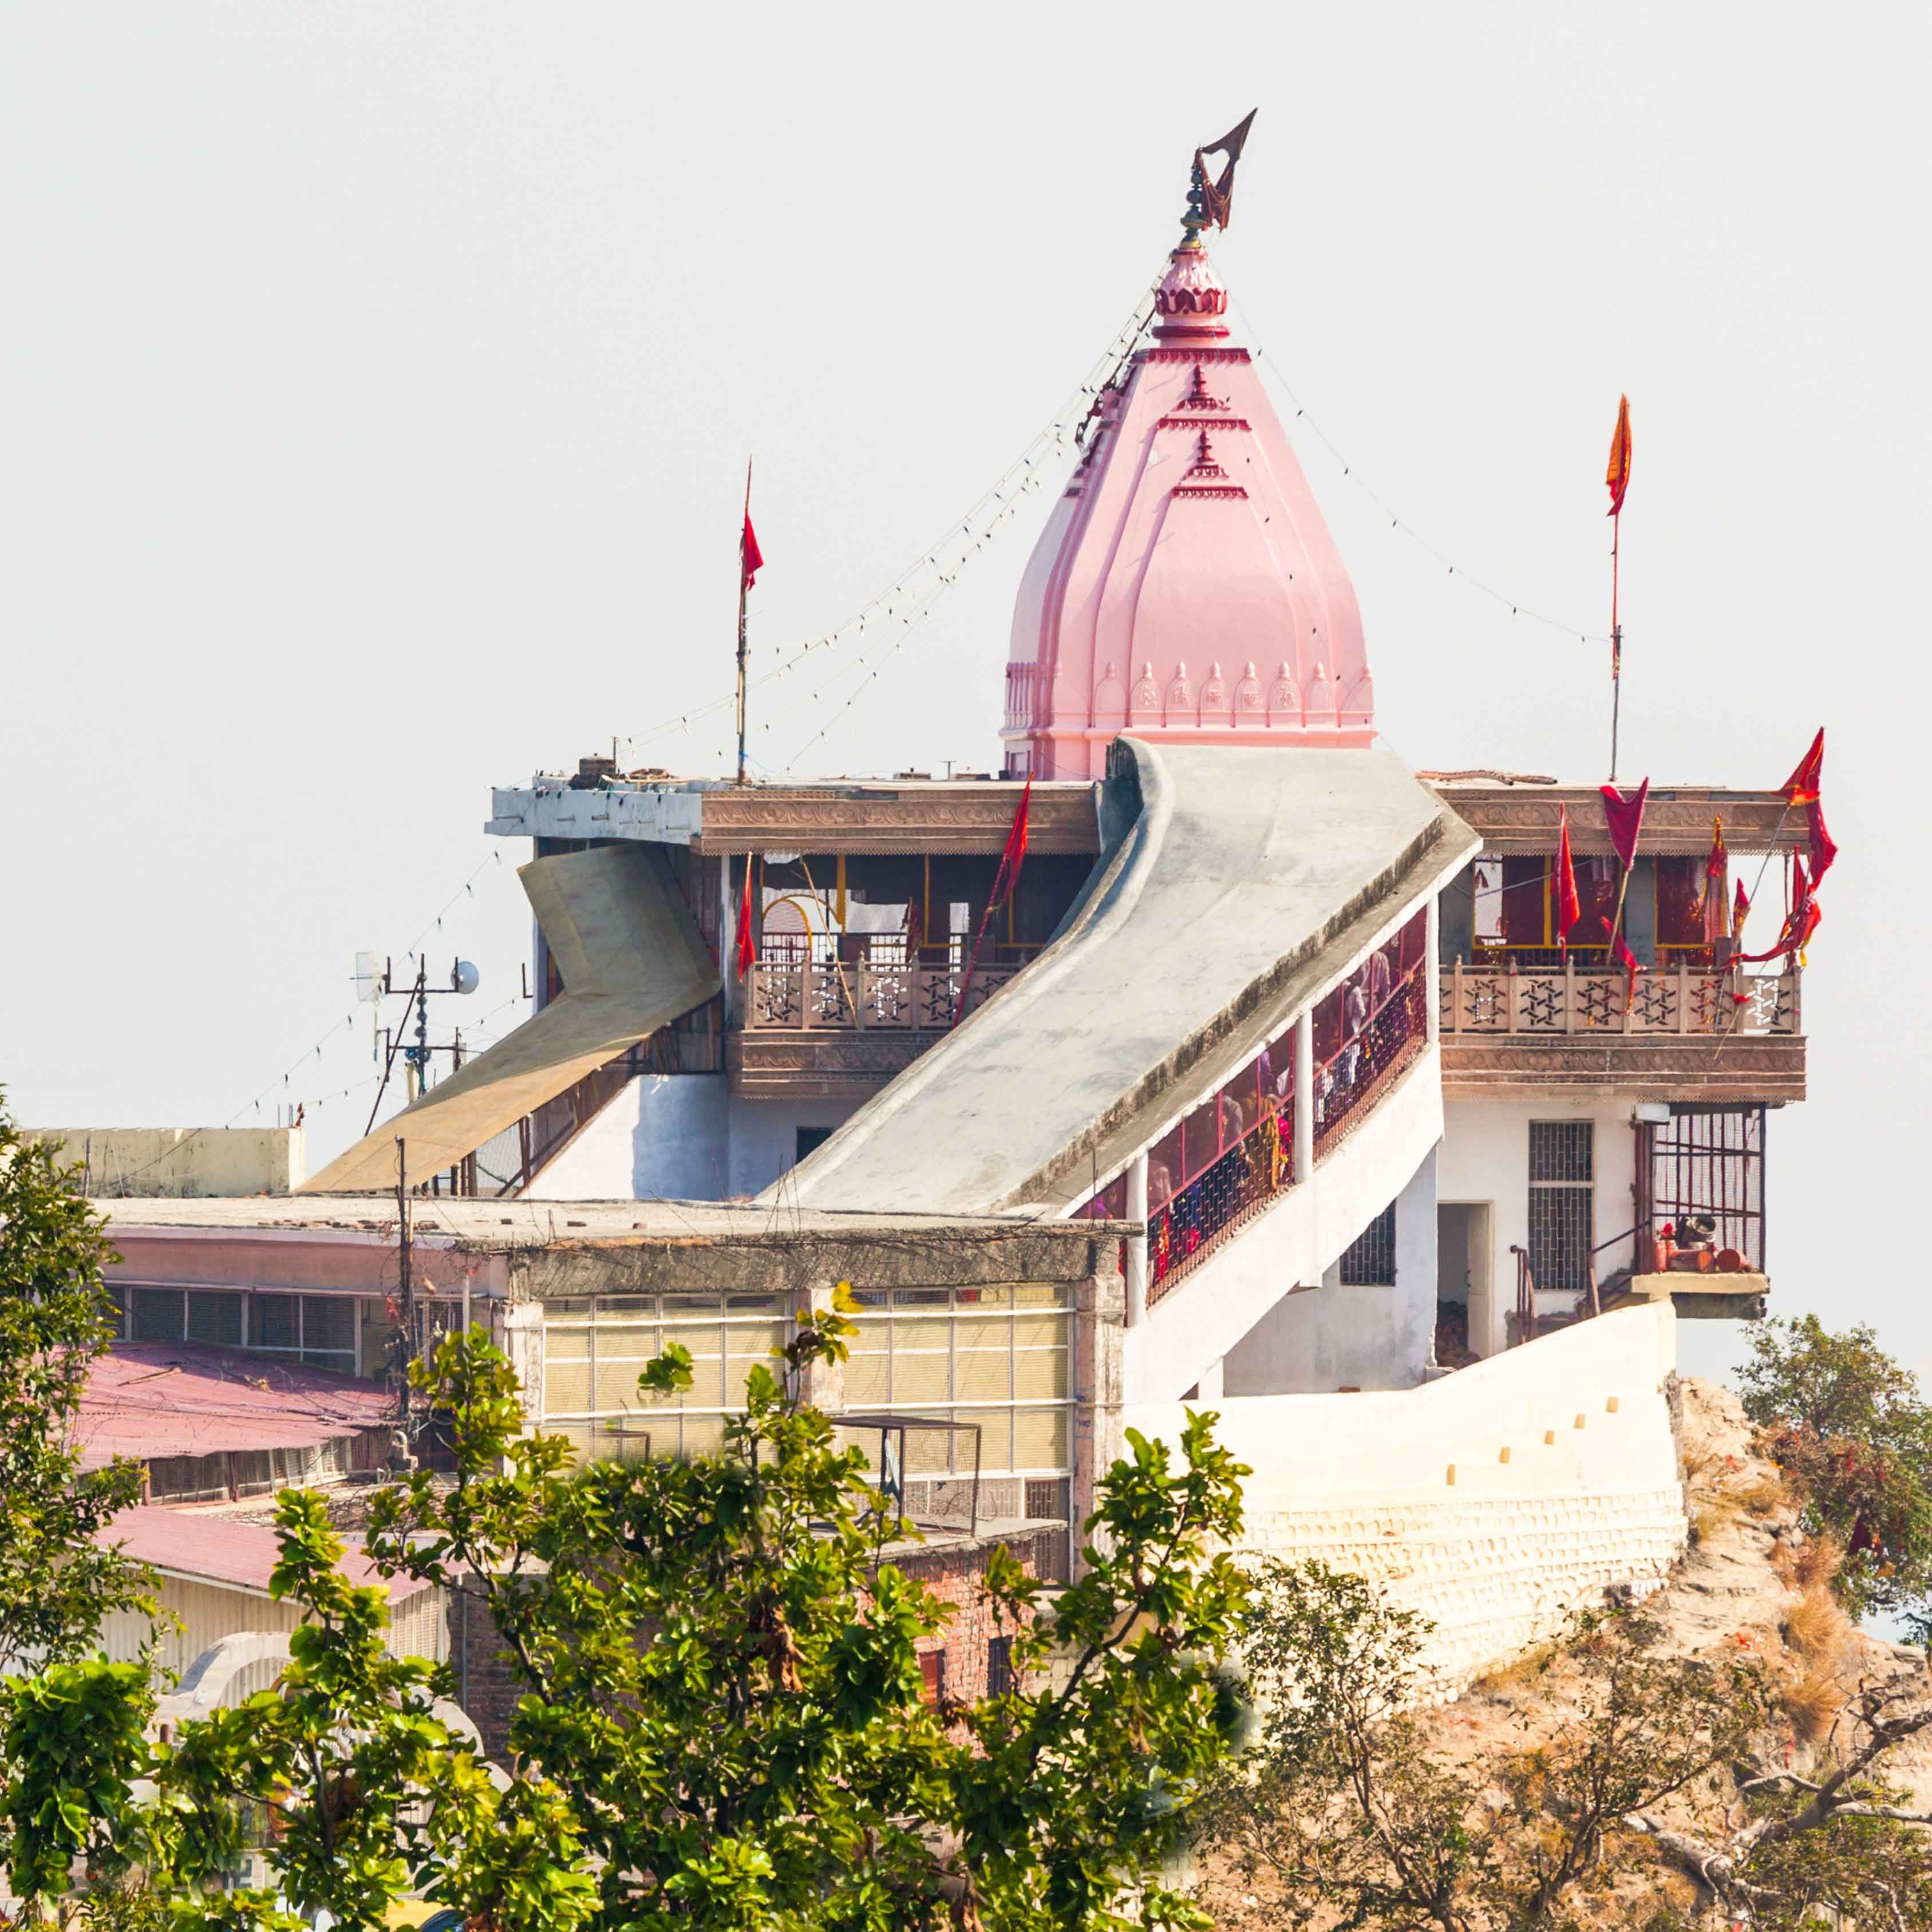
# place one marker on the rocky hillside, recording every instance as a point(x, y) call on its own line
point(1750, 1583)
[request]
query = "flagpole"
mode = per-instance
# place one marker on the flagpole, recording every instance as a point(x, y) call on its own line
point(742, 527)
point(1616, 643)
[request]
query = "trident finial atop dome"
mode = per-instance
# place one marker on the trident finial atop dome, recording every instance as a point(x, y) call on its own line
point(1209, 202)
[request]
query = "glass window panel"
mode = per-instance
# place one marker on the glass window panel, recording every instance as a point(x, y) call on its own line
point(984, 1377)
point(274, 1319)
point(213, 1317)
point(157, 1315)
point(615, 1384)
point(921, 1297)
point(703, 1435)
point(566, 1388)
point(866, 1383)
point(328, 1323)
point(577, 1435)
point(773, 1305)
point(1040, 1438)
point(117, 1296)
point(755, 1341)
point(996, 1441)
point(632, 1343)
point(996, 1334)
point(566, 1344)
point(1040, 1331)
point(929, 1452)
point(1038, 1295)
point(1039, 1373)
point(920, 1379)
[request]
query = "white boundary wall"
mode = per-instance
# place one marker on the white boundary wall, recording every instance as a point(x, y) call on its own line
point(1498, 1553)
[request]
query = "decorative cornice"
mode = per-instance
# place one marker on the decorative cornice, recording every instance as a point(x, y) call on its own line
point(1205, 422)
point(1767, 1069)
point(1511, 822)
point(946, 819)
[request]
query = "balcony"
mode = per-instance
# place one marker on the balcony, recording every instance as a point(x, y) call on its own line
point(1680, 1032)
point(832, 1029)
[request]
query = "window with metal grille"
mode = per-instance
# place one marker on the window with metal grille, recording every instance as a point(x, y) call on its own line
point(999, 1666)
point(1369, 1262)
point(158, 1314)
point(1562, 1195)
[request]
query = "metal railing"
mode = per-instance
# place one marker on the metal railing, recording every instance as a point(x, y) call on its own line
point(812, 996)
point(1375, 1052)
point(1681, 1000)
point(1229, 1192)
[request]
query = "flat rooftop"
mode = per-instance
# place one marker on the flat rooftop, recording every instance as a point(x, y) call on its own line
point(510, 1224)
point(912, 813)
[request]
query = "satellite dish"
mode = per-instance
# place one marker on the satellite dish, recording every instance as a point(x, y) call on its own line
point(465, 978)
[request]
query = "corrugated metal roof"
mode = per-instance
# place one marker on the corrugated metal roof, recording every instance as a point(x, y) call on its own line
point(151, 1399)
point(214, 1549)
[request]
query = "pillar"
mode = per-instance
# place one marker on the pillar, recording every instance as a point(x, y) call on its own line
point(1137, 1244)
point(1304, 1093)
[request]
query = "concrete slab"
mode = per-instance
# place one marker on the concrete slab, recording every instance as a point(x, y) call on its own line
point(1243, 882)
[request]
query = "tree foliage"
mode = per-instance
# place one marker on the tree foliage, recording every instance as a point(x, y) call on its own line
point(1852, 1431)
point(1645, 1802)
point(57, 1582)
point(724, 1725)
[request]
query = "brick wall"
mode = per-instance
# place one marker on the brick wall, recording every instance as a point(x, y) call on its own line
point(488, 1687)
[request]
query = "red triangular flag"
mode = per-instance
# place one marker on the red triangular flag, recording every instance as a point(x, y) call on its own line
point(751, 558)
point(748, 945)
point(1716, 867)
point(1569, 907)
point(1623, 817)
point(1801, 787)
point(1740, 911)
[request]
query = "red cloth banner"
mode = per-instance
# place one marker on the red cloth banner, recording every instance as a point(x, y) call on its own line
point(1740, 911)
point(1824, 848)
point(1569, 907)
point(1618, 475)
point(1623, 818)
point(751, 558)
point(1008, 876)
point(1802, 786)
point(747, 954)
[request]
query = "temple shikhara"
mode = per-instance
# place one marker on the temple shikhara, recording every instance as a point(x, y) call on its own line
point(1199, 1052)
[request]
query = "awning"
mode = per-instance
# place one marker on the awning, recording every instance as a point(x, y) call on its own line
point(632, 960)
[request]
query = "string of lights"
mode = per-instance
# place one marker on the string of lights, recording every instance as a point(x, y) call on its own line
point(888, 619)
point(1515, 606)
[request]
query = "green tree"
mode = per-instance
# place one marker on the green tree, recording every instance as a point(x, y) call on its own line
point(1353, 1810)
point(1852, 1429)
point(724, 1682)
point(57, 1582)
point(725, 1725)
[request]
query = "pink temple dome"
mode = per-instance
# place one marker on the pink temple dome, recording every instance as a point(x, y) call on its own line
point(1186, 588)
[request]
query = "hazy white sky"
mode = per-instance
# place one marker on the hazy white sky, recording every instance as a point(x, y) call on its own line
point(375, 385)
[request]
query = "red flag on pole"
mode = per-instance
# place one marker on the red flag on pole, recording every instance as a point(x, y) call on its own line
point(751, 558)
point(1569, 907)
point(1802, 786)
point(1623, 818)
point(1740, 911)
point(1008, 876)
point(748, 944)
point(1617, 475)
point(1824, 848)
point(1004, 881)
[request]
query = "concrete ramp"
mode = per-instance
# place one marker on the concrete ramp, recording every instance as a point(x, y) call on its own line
point(632, 960)
point(1239, 883)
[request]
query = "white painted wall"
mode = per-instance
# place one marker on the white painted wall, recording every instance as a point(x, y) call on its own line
point(681, 1137)
point(121, 1162)
point(1486, 1158)
point(1333, 1337)
point(1293, 1242)
point(662, 1136)
point(1411, 1489)
point(764, 1136)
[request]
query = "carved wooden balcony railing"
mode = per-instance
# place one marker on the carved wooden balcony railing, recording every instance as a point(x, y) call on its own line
point(1678, 1000)
point(829, 997)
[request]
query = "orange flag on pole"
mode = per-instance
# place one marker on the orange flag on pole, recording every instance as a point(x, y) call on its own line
point(1618, 475)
